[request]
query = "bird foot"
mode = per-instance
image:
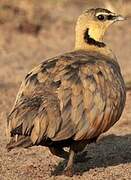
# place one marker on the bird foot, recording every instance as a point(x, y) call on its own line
point(68, 171)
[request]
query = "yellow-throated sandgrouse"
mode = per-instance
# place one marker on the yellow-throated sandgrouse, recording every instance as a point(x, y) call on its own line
point(69, 100)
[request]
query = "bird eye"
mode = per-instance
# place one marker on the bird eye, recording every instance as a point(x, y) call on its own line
point(101, 17)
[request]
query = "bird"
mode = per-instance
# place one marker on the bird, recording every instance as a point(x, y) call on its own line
point(71, 99)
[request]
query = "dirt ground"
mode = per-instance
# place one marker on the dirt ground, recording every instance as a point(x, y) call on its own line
point(31, 32)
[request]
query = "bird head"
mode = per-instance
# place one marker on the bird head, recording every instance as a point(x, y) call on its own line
point(93, 24)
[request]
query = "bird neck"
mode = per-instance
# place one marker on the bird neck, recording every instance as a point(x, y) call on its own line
point(84, 41)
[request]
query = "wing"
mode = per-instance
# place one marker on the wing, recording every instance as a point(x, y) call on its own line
point(103, 93)
point(70, 96)
point(35, 104)
point(36, 112)
point(92, 96)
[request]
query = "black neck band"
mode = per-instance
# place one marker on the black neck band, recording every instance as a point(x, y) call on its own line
point(92, 41)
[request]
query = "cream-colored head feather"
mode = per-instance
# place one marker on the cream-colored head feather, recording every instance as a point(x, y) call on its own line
point(96, 22)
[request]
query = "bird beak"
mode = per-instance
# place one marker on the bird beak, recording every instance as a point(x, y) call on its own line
point(120, 18)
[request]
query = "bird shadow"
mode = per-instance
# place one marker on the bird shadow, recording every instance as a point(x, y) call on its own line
point(111, 150)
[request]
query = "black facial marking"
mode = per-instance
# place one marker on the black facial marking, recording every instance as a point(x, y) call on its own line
point(92, 41)
point(103, 17)
point(111, 17)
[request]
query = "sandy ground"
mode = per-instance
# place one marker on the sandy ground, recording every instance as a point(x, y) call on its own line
point(29, 33)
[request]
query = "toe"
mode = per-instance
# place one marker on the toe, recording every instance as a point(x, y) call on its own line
point(68, 171)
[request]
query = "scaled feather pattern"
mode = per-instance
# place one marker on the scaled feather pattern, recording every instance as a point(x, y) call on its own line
point(77, 96)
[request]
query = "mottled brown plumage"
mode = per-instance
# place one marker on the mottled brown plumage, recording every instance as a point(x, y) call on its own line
point(69, 100)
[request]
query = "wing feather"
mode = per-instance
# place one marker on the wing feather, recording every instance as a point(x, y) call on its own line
point(72, 96)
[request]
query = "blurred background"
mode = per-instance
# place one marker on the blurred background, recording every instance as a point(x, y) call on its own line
point(34, 30)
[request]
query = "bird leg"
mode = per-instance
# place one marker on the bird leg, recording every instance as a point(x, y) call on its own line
point(59, 152)
point(69, 168)
point(79, 147)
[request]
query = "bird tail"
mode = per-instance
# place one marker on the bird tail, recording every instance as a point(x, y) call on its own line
point(19, 141)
